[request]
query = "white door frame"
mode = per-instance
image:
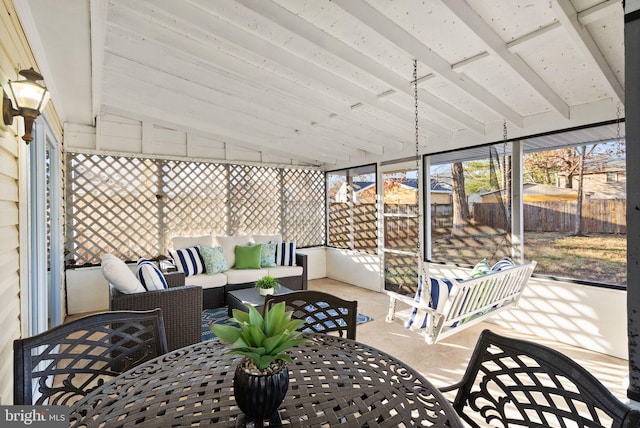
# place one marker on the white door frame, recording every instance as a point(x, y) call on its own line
point(43, 292)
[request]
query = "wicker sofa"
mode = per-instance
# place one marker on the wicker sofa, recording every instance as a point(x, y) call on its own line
point(215, 286)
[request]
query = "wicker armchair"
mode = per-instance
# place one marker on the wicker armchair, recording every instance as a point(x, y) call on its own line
point(181, 309)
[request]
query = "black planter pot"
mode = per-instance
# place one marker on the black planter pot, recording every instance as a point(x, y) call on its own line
point(259, 396)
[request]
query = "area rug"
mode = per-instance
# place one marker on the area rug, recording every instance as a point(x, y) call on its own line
point(219, 316)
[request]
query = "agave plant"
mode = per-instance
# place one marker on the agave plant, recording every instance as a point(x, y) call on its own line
point(263, 340)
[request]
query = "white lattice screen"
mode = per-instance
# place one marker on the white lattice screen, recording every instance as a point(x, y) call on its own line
point(132, 207)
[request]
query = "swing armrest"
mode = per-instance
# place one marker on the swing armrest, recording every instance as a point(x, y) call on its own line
point(408, 300)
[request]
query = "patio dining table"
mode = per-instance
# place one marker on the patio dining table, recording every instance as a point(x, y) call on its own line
point(333, 381)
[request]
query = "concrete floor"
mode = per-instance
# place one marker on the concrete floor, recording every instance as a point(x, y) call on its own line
point(445, 362)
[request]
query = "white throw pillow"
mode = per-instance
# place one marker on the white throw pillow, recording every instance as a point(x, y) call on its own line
point(265, 239)
point(228, 244)
point(191, 241)
point(150, 276)
point(120, 276)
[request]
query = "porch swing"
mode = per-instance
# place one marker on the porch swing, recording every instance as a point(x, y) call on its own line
point(443, 307)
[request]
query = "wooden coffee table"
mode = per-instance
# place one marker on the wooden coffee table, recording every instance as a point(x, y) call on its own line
point(239, 299)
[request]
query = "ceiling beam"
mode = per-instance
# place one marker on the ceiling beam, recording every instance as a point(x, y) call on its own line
point(305, 30)
point(388, 29)
point(581, 37)
point(205, 25)
point(185, 58)
point(535, 36)
point(498, 47)
point(471, 60)
point(598, 11)
point(182, 82)
point(185, 104)
point(145, 45)
point(182, 71)
point(98, 16)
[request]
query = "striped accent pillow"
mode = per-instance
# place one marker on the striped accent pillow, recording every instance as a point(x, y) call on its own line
point(286, 254)
point(435, 293)
point(503, 264)
point(150, 276)
point(188, 260)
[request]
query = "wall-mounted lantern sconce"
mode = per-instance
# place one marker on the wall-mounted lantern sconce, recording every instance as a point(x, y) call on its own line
point(30, 97)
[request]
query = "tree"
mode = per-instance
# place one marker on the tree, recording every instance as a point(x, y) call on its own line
point(541, 167)
point(477, 177)
point(460, 206)
point(578, 229)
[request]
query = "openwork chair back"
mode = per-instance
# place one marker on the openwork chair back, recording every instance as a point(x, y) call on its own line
point(63, 364)
point(321, 312)
point(513, 382)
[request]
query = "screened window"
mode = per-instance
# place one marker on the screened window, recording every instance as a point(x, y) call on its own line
point(575, 205)
point(470, 200)
point(352, 211)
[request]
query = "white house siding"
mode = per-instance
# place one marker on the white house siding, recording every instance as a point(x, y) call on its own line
point(14, 55)
point(9, 259)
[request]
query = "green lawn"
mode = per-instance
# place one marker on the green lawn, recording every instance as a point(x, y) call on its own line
point(597, 258)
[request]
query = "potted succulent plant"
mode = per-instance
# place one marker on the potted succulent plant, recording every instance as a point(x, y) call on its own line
point(267, 285)
point(261, 379)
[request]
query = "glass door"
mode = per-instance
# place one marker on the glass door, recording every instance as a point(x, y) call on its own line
point(401, 227)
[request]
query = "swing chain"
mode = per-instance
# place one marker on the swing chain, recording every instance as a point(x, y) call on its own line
point(415, 99)
point(618, 124)
point(505, 135)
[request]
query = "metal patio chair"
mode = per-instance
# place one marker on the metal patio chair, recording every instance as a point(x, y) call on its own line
point(514, 382)
point(321, 312)
point(67, 362)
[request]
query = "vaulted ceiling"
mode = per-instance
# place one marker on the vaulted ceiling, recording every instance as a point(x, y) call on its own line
point(330, 82)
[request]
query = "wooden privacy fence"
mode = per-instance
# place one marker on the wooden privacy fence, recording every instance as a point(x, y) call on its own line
point(598, 216)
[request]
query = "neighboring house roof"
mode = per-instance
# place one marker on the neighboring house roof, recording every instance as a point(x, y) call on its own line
point(410, 183)
point(600, 168)
point(359, 186)
point(539, 192)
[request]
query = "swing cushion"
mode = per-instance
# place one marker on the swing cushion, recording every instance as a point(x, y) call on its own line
point(481, 268)
point(436, 299)
point(502, 264)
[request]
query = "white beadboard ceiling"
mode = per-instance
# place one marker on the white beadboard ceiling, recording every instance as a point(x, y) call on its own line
point(328, 83)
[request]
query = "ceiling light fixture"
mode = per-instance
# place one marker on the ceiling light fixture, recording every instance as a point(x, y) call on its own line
point(30, 98)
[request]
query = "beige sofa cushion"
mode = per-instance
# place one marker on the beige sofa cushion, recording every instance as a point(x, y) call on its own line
point(240, 276)
point(265, 239)
point(285, 271)
point(191, 241)
point(207, 281)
